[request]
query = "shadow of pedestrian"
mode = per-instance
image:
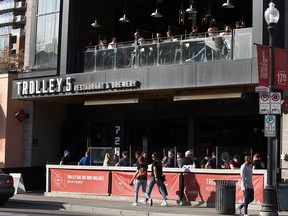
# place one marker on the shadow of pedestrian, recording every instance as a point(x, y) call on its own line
point(211, 200)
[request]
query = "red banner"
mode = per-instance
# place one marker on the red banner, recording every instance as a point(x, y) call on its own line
point(280, 73)
point(263, 65)
point(121, 187)
point(285, 106)
point(201, 187)
point(79, 181)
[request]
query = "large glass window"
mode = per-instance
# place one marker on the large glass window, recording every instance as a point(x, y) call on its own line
point(4, 42)
point(6, 17)
point(47, 33)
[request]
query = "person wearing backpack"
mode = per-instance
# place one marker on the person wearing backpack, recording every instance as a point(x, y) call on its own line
point(141, 180)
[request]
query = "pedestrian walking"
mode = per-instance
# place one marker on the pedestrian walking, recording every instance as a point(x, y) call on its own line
point(157, 178)
point(141, 180)
point(246, 184)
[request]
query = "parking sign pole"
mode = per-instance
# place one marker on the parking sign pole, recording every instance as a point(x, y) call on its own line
point(269, 206)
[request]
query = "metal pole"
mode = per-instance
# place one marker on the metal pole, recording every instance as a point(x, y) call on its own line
point(269, 206)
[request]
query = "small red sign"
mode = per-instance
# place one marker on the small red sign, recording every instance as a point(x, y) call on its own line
point(285, 106)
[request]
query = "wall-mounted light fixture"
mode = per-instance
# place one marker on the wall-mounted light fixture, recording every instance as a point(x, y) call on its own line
point(191, 9)
point(111, 101)
point(21, 115)
point(207, 96)
point(95, 24)
point(124, 19)
point(228, 5)
point(284, 157)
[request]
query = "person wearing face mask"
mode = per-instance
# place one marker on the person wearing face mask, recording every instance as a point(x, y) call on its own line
point(246, 184)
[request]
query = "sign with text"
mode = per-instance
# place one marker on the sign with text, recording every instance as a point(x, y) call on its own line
point(79, 181)
point(263, 64)
point(270, 126)
point(264, 103)
point(270, 103)
point(280, 74)
point(275, 101)
point(261, 89)
point(121, 187)
point(201, 187)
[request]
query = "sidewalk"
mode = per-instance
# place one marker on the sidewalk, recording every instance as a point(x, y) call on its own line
point(115, 206)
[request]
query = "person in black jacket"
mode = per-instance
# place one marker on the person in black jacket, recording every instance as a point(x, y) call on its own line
point(188, 159)
point(65, 159)
point(257, 162)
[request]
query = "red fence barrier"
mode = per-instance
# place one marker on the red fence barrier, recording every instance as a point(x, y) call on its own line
point(81, 181)
point(201, 187)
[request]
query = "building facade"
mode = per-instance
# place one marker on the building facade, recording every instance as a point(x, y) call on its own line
point(12, 38)
point(151, 96)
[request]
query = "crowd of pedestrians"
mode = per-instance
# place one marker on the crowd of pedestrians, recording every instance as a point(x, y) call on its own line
point(142, 162)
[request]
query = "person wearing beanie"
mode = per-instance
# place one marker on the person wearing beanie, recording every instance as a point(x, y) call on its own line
point(65, 159)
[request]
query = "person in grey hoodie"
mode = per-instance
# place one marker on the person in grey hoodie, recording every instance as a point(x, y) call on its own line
point(246, 184)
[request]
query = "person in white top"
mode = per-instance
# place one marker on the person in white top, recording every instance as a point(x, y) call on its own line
point(246, 184)
point(138, 39)
point(113, 43)
point(107, 159)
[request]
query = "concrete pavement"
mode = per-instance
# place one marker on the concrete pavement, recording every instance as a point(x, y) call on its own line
point(115, 206)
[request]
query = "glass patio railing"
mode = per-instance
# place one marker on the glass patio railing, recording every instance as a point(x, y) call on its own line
point(183, 50)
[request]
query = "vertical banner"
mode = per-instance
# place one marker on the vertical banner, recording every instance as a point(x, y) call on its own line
point(201, 187)
point(263, 65)
point(79, 181)
point(121, 187)
point(280, 70)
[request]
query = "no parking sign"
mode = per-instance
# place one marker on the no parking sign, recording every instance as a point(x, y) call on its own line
point(275, 103)
point(270, 103)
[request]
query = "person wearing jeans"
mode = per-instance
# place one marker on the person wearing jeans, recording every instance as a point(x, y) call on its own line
point(141, 179)
point(156, 178)
point(138, 183)
point(246, 184)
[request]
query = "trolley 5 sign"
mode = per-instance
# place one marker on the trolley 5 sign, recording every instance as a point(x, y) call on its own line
point(64, 85)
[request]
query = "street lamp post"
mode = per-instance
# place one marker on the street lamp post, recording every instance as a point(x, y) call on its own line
point(269, 206)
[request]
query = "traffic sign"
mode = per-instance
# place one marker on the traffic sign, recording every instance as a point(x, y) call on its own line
point(270, 103)
point(261, 89)
point(264, 103)
point(275, 100)
point(270, 126)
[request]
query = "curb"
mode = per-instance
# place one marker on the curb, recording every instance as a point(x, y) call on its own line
point(117, 212)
